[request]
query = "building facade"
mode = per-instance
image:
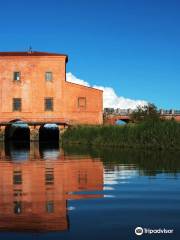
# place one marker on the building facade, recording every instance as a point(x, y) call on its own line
point(33, 88)
point(34, 192)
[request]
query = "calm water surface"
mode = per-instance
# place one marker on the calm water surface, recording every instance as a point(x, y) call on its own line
point(47, 192)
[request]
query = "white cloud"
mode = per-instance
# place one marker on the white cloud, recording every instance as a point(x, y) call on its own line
point(110, 98)
point(71, 78)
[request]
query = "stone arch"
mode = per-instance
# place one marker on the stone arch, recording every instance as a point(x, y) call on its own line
point(125, 120)
point(17, 130)
point(120, 122)
point(49, 132)
point(15, 120)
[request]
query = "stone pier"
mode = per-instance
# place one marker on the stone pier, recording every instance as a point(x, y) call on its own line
point(34, 150)
point(62, 129)
point(2, 133)
point(34, 133)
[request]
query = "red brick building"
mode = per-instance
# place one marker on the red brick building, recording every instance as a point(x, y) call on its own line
point(33, 88)
point(34, 193)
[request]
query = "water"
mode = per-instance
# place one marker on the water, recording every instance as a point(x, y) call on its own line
point(82, 193)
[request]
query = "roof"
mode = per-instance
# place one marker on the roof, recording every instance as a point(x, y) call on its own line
point(32, 53)
point(78, 84)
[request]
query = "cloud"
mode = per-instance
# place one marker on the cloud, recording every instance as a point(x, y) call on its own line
point(71, 78)
point(110, 98)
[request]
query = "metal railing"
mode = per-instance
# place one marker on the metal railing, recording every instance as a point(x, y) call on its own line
point(125, 112)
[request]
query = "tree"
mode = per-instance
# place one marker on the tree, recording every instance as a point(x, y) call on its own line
point(145, 113)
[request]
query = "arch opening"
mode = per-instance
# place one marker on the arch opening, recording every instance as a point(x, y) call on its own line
point(120, 122)
point(17, 131)
point(49, 132)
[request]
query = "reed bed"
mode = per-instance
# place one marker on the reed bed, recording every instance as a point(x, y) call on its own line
point(161, 134)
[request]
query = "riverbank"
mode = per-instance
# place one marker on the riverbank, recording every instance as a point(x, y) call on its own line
point(161, 134)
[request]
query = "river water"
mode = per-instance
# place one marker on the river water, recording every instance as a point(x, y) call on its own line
point(81, 193)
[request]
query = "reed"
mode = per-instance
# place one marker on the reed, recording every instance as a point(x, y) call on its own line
point(161, 134)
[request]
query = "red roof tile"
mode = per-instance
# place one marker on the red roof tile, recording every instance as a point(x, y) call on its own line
point(31, 53)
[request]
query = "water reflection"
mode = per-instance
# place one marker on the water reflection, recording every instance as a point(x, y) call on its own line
point(36, 183)
point(16, 151)
point(146, 162)
point(86, 193)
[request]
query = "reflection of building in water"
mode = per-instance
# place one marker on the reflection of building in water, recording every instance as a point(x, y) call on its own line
point(34, 193)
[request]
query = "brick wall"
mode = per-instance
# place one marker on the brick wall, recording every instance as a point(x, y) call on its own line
point(33, 88)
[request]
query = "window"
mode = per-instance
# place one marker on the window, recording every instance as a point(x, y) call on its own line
point(17, 207)
point(82, 102)
point(17, 177)
point(16, 104)
point(48, 104)
point(16, 76)
point(49, 176)
point(48, 76)
point(50, 206)
point(17, 192)
point(82, 177)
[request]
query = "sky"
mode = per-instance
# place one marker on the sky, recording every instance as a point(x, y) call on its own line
point(129, 46)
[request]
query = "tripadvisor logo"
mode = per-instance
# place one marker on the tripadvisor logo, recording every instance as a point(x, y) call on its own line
point(139, 231)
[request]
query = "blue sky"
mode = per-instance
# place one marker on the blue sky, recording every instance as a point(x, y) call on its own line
point(132, 46)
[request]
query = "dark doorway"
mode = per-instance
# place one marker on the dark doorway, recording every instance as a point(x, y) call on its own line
point(17, 131)
point(49, 133)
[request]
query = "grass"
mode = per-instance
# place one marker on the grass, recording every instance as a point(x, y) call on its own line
point(161, 134)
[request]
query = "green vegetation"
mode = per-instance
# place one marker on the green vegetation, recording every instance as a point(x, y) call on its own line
point(145, 113)
point(147, 130)
point(162, 134)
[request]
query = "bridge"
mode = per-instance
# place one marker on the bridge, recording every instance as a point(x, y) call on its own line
point(30, 128)
point(112, 115)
